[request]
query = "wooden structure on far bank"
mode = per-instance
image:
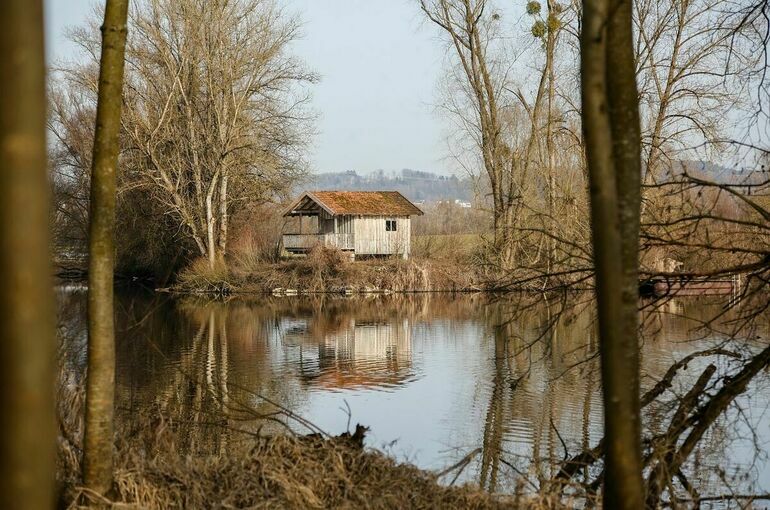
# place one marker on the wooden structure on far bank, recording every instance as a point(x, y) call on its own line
point(361, 223)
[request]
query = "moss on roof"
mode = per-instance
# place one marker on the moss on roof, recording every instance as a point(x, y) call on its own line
point(365, 203)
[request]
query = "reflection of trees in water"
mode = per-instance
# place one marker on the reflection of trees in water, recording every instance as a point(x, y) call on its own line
point(544, 372)
point(230, 368)
point(493, 421)
point(71, 331)
point(200, 365)
point(532, 385)
point(201, 378)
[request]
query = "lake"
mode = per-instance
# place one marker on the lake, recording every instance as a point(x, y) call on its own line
point(434, 376)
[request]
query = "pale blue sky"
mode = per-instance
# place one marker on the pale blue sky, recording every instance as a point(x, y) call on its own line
point(379, 65)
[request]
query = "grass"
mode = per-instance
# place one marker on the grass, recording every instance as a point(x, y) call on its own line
point(328, 270)
point(251, 470)
point(280, 472)
point(456, 247)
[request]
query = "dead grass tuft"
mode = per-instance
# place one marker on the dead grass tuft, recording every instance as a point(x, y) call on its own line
point(201, 276)
point(280, 472)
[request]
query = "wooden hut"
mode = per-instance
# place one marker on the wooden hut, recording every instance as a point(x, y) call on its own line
point(362, 223)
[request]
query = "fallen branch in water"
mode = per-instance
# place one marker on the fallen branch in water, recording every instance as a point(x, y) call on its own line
point(721, 497)
point(462, 464)
point(714, 408)
point(668, 379)
point(684, 419)
point(662, 448)
point(587, 457)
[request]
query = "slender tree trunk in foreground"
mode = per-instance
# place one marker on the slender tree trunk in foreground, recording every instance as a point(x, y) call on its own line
point(100, 390)
point(622, 359)
point(26, 300)
point(612, 134)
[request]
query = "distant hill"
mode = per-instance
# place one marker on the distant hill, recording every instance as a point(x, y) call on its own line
point(719, 174)
point(420, 186)
point(413, 184)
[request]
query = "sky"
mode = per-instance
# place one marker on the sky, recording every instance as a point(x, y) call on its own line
point(379, 65)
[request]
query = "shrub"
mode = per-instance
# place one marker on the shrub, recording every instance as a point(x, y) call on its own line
point(201, 277)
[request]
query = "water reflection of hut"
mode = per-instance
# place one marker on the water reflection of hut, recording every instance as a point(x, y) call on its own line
point(366, 354)
point(359, 353)
point(293, 331)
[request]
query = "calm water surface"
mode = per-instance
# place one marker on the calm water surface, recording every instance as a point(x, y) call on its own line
point(433, 376)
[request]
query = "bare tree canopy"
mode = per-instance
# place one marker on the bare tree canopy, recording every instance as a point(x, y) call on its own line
point(470, 29)
point(215, 115)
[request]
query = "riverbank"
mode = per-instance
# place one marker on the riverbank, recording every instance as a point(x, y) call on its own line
point(329, 271)
point(281, 471)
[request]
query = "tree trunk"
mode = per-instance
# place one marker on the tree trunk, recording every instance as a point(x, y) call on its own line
point(100, 389)
point(611, 127)
point(26, 300)
point(211, 222)
point(549, 148)
point(626, 148)
point(508, 239)
point(223, 214)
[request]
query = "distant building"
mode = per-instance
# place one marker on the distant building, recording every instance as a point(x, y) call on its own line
point(461, 203)
point(362, 223)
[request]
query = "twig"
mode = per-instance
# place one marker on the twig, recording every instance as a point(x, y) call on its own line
point(461, 464)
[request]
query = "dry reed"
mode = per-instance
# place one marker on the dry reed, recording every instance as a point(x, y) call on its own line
point(281, 471)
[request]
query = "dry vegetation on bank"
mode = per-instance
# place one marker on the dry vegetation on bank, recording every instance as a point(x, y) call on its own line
point(280, 472)
point(329, 270)
point(258, 471)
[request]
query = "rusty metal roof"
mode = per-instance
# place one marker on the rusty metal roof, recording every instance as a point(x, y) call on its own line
point(363, 203)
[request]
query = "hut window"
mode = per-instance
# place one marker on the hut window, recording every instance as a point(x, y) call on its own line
point(390, 225)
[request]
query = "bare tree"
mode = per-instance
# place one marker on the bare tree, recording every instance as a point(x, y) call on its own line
point(100, 384)
point(612, 133)
point(210, 114)
point(546, 28)
point(692, 74)
point(214, 115)
point(522, 131)
point(470, 31)
point(26, 300)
